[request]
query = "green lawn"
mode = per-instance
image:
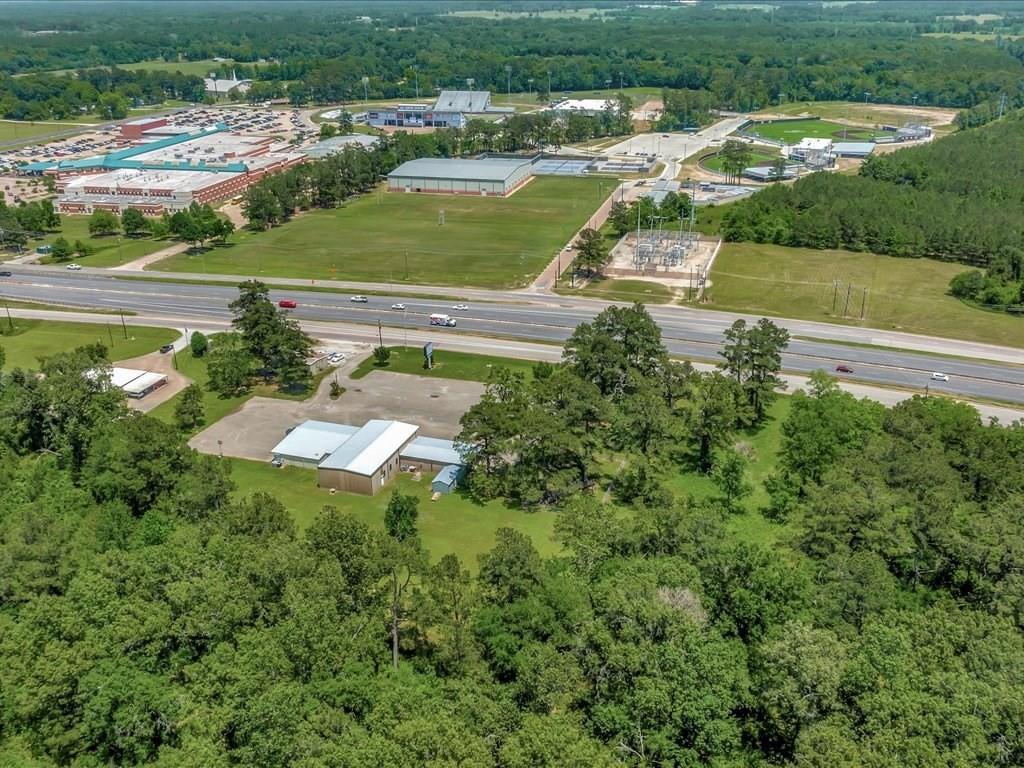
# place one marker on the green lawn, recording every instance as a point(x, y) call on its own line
point(395, 237)
point(33, 339)
point(761, 447)
point(757, 157)
point(447, 364)
point(452, 524)
point(108, 251)
point(791, 131)
point(216, 407)
point(201, 68)
point(19, 130)
point(611, 289)
point(903, 294)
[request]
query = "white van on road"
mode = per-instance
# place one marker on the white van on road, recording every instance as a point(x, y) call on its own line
point(444, 320)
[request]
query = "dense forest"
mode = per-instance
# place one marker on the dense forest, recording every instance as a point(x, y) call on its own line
point(741, 58)
point(958, 198)
point(153, 615)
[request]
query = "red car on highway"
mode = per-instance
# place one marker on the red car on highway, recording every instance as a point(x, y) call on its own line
point(287, 304)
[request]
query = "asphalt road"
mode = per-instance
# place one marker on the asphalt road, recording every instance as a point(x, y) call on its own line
point(686, 333)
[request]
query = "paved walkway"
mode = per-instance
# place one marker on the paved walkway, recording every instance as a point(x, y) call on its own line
point(141, 263)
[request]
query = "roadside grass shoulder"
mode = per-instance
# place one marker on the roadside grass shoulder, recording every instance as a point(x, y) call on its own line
point(898, 294)
point(611, 289)
point(34, 339)
point(454, 524)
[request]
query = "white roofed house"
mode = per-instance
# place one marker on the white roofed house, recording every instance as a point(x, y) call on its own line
point(813, 152)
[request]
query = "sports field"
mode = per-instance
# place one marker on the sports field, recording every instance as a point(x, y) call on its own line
point(791, 131)
point(867, 114)
point(902, 294)
point(395, 237)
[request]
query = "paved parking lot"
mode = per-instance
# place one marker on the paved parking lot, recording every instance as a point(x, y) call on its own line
point(436, 405)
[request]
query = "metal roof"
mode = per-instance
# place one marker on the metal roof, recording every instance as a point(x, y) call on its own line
point(462, 101)
point(338, 143)
point(433, 449)
point(853, 147)
point(312, 440)
point(448, 475)
point(121, 377)
point(144, 382)
point(486, 169)
point(367, 450)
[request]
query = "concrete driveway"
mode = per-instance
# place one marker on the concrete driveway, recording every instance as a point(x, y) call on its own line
point(435, 405)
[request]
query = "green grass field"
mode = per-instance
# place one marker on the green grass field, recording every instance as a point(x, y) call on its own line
point(903, 294)
point(447, 364)
point(108, 251)
point(19, 130)
point(611, 289)
point(761, 448)
point(791, 131)
point(201, 68)
point(452, 524)
point(395, 237)
point(33, 339)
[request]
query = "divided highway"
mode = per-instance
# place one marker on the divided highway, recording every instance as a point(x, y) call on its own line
point(694, 335)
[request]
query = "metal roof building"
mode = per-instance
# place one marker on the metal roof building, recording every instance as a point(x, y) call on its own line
point(486, 176)
point(853, 148)
point(312, 441)
point(367, 459)
point(661, 188)
point(363, 459)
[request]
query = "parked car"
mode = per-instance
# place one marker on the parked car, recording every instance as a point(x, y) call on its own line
point(461, 308)
point(287, 304)
point(336, 358)
point(359, 299)
point(400, 307)
point(842, 368)
point(164, 349)
point(5, 273)
point(939, 377)
point(73, 267)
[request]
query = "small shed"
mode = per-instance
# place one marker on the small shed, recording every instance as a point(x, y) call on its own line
point(447, 480)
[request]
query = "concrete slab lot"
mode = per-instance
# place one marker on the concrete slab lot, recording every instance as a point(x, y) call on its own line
point(435, 405)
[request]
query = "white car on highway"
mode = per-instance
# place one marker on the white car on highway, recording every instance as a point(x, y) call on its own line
point(399, 307)
point(461, 308)
point(940, 377)
point(359, 299)
point(73, 266)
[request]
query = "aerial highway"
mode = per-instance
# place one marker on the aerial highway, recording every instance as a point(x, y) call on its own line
point(688, 334)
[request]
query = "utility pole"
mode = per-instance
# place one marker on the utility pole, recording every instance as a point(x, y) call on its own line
point(123, 326)
point(863, 302)
point(416, 74)
point(508, 81)
point(549, 83)
point(380, 334)
point(847, 304)
point(110, 335)
point(407, 265)
point(365, 81)
point(835, 294)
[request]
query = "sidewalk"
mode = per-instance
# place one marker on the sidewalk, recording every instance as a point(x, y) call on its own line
point(141, 263)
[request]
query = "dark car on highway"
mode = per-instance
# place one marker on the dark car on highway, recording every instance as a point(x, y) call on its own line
point(5, 273)
point(844, 368)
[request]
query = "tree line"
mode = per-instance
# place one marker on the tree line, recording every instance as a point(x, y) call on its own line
point(729, 58)
point(156, 614)
point(955, 199)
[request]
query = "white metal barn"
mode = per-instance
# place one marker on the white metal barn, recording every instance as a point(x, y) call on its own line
point(492, 176)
